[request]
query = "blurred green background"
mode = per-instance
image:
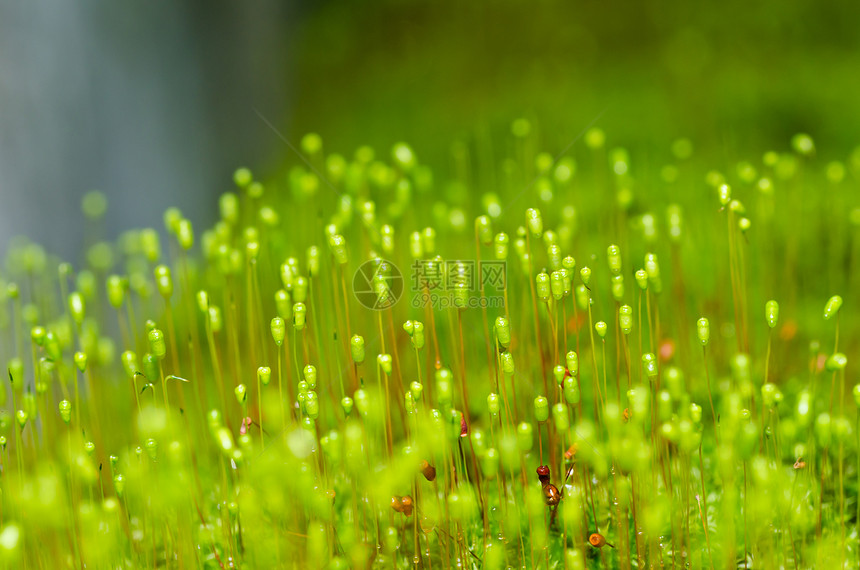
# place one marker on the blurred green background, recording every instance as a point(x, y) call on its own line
point(735, 77)
point(154, 102)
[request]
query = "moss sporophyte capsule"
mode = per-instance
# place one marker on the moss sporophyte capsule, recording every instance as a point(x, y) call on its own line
point(832, 306)
point(503, 331)
point(264, 375)
point(703, 331)
point(771, 313)
point(157, 344)
point(356, 345)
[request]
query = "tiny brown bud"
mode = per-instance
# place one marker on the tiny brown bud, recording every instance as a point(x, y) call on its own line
point(800, 463)
point(625, 416)
point(543, 474)
point(397, 504)
point(428, 470)
point(571, 452)
point(406, 502)
point(551, 495)
point(598, 541)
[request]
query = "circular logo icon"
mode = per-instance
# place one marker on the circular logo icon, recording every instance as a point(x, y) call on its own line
point(377, 284)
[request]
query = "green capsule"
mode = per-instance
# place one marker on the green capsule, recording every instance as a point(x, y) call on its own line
point(157, 345)
point(37, 335)
point(568, 263)
point(444, 387)
point(22, 416)
point(52, 346)
point(561, 418)
point(252, 251)
point(613, 255)
point(534, 222)
point(409, 403)
point(203, 301)
point(664, 406)
point(559, 372)
point(724, 193)
point(803, 144)
point(241, 393)
point(299, 316)
point(428, 241)
point(172, 216)
point(771, 313)
point(856, 393)
point(283, 304)
point(501, 243)
point(228, 204)
point(150, 244)
point(571, 392)
point(129, 363)
point(542, 286)
point(642, 279)
point(65, 408)
point(556, 283)
point(674, 221)
point(313, 256)
point(312, 405)
point(46, 368)
point(652, 269)
point(80, 359)
point(703, 331)
point(617, 287)
point(525, 437)
point(386, 238)
point(115, 290)
point(541, 409)
point(215, 320)
point(490, 463)
point(264, 375)
point(553, 254)
point(674, 379)
point(770, 394)
point(300, 289)
point(836, 362)
point(625, 318)
point(572, 362)
point(494, 403)
point(416, 389)
point(418, 335)
point(242, 177)
point(337, 244)
point(279, 330)
point(484, 230)
point(823, 429)
point(582, 297)
point(356, 346)
point(832, 307)
point(585, 274)
point(185, 234)
point(416, 248)
point(600, 328)
point(77, 308)
point(503, 332)
point(595, 138)
point(649, 362)
point(508, 366)
point(384, 362)
point(164, 281)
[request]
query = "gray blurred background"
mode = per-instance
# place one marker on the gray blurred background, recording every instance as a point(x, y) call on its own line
point(149, 101)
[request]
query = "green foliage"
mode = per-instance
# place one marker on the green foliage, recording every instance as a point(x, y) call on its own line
point(552, 417)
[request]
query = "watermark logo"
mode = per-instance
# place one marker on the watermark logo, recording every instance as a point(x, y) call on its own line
point(441, 284)
point(377, 284)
